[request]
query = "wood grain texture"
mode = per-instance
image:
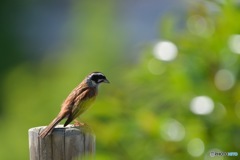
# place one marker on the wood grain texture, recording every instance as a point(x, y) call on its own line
point(65, 143)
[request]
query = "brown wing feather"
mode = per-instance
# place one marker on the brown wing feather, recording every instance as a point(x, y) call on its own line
point(81, 103)
point(49, 128)
point(71, 98)
point(66, 109)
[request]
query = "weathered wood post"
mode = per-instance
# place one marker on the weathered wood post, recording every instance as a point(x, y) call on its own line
point(65, 143)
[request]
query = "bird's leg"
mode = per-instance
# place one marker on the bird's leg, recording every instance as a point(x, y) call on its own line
point(77, 123)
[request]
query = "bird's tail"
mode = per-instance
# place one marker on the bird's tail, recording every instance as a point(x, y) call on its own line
point(50, 127)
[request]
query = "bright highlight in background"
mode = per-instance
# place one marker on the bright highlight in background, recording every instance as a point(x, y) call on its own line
point(234, 42)
point(165, 50)
point(197, 24)
point(202, 105)
point(200, 26)
point(195, 147)
point(224, 79)
point(173, 130)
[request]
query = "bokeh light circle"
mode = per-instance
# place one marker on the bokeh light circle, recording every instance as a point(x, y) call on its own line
point(172, 130)
point(224, 79)
point(195, 147)
point(234, 42)
point(165, 51)
point(202, 105)
point(200, 26)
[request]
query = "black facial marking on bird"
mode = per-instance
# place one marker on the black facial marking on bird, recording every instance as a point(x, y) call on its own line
point(98, 77)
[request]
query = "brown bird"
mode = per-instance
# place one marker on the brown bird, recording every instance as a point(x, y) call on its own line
point(78, 101)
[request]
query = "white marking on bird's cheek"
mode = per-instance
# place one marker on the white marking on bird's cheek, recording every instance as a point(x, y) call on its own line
point(94, 83)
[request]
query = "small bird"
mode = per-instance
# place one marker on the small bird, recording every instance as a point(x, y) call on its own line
point(78, 101)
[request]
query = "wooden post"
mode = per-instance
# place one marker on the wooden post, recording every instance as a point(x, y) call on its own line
point(65, 143)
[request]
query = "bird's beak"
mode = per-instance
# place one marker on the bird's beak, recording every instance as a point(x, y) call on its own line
point(106, 81)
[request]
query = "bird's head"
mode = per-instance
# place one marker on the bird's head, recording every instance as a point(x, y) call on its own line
point(95, 78)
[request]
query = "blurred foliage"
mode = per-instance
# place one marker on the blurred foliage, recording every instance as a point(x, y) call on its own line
point(131, 115)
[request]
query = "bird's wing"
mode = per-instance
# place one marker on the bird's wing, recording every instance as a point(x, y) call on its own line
point(71, 99)
point(81, 103)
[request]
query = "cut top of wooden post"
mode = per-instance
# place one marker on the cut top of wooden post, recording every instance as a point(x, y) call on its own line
point(64, 143)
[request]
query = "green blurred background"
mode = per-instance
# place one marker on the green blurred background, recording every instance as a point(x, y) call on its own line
point(173, 67)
